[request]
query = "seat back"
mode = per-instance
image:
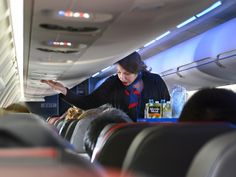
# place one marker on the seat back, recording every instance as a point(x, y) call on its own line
point(36, 147)
point(29, 130)
point(64, 127)
point(216, 159)
point(168, 150)
point(77, 138)
point(49, 162)
point(105, 131)
point(59, 123)
point(52, 120)
point(111, 151)
point(70, 129)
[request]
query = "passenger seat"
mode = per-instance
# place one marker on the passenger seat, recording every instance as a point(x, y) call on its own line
point(168, 150)
point(216, 159)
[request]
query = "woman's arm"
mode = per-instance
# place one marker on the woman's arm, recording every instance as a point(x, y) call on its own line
point(98, 97)
point(56, 86)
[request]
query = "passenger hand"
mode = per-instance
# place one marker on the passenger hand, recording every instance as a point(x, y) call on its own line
point(56, 86)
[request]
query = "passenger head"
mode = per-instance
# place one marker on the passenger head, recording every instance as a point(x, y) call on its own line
point(92, 113)
point(17, 107)
point(2, 112)
point(129, 67)
point(108, 116)
point(73, 113)
point(210, 104)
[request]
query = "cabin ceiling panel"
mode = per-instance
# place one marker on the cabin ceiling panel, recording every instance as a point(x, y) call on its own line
point(123, 26)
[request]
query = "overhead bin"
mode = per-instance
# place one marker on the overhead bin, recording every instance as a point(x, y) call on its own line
point(226, 64)
point(207, 60)
point(207, 72)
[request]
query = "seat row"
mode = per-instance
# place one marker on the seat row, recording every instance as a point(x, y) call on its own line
point(154, 149)
point(30, 147)
point(168, 149)
point(72, 130)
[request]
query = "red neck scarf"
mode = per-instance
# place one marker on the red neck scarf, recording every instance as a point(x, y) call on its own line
point(133, 93)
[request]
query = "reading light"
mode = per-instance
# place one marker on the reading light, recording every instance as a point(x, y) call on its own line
point(69, 14)
point(76, 14)
point(215, 5)
point(186, 22)
point(86, 15)
point(61, 13)
point(59, 43)
point(72, 14)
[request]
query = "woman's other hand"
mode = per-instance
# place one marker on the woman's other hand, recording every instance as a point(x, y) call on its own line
point(56, 86)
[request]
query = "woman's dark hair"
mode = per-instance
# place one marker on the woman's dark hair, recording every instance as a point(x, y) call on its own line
point(133, 63)
point(110, 115)
point(210, 104)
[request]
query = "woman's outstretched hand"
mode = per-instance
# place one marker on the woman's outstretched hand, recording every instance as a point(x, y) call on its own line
point(56, 86)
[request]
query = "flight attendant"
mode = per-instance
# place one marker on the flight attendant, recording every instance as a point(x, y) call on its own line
point(128, 90)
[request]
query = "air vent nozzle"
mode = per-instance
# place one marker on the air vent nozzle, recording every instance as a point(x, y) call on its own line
point(69, 28)
point(58, 51)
